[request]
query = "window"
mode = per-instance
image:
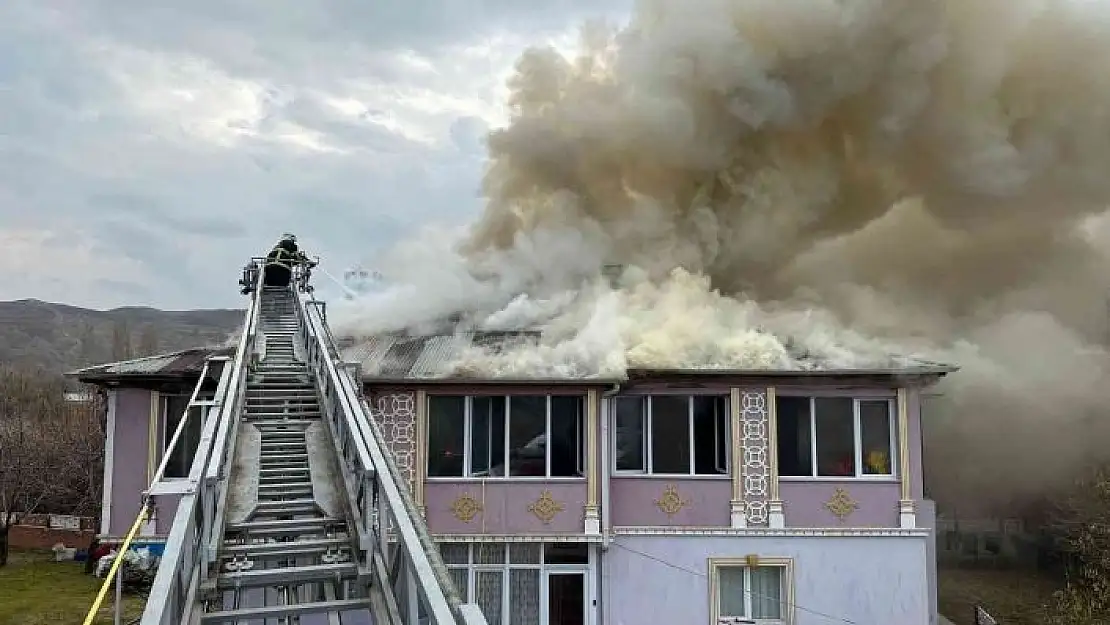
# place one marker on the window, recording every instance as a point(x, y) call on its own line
point(520, 583)
point(750, 593)
point(672, 435)
point(480, 436)
point(181, 459)
point(835, 437)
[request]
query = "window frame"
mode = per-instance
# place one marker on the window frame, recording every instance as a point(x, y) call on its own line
point(473, 568)
point(468, 428)
point(646, 435)
point(748, 563)
point(893, 437)
point(167, 432)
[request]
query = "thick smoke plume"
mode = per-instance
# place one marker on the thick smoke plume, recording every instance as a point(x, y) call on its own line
point(799, 183)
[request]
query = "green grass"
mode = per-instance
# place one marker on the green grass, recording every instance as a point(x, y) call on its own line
point(1012, 597)
point(35, 590)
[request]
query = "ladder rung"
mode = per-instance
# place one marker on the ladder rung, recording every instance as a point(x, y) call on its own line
point(287, 610)
point(288, 575)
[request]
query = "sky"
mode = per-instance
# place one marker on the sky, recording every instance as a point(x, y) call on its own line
point(148, 147)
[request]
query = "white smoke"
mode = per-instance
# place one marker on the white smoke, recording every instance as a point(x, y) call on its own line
point(805, 183)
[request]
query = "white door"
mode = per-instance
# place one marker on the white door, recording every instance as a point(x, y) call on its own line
point(566, 595)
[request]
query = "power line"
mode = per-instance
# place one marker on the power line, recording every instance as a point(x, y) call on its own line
point(677, 567)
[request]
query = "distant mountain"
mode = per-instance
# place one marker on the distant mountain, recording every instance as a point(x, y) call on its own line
point(61, 338)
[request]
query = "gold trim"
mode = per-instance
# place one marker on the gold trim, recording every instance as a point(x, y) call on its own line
point(841, 504)
point(419, 472)
point(670, 502)
point(715, 564)
point(773, 442)
point(153, 451)
point(737, 447)
point(593, 479)
point(466, 507)
point(903, 434)
point(546, 508)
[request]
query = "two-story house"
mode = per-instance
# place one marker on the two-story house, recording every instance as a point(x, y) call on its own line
point(700, 497)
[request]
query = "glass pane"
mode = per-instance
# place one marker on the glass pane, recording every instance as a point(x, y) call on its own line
point(487, 436)
point(181, 458)
point(836, 437)
point(454, 553)
point(446, 421)
point(767, 592)
point(795, 442)
point(874, 433)
point(630, 434)
point(459, 578)
point(670, 434)
point(524, 596)
point(524, 553)
point(710, 436)
point(730, 591)
point(566, 553)
point(566, 440)
point(527, 435)
point(487, 585)
point(489, 553)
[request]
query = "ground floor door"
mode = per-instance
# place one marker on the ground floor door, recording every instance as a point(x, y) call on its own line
point(567, 597)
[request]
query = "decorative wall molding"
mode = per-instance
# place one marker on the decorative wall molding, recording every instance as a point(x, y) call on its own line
point(396, 415)
point(808, 532)
point(466, 507)
point(546, 508)
point(516, 538)
point(841, 504)
point(671, 502)
point(755, 456)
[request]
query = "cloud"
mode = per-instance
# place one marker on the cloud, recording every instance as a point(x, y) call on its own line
point(161, 146)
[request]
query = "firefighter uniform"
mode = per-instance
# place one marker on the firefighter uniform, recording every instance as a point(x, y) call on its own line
point(280, 262)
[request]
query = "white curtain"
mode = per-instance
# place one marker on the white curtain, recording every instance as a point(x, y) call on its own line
point(766, 592)
point(488, 585)
point(524, 597)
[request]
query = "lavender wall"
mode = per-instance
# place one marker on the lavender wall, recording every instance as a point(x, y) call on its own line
point(640, 501)
point(873, 581)
point(917, 472)
point(804, 503)
point(129, 462)
point(505, 507)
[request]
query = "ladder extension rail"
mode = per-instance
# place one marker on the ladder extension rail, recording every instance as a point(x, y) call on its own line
point(188, 549)
point(381, 500)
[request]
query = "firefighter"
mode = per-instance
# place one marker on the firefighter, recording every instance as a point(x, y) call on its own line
point(281, 260)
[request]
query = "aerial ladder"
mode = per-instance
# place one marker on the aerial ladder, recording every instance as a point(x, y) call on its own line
point(294, 511)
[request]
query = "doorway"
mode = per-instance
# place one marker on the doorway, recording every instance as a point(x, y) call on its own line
point(566, 597)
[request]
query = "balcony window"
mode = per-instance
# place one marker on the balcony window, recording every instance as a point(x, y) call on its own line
point(479, 436)
point(671, 435)
point(835, 437)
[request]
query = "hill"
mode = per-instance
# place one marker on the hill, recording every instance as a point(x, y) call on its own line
point(61, 338)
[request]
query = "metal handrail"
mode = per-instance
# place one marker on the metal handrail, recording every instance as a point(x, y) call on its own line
point(438, 591)
point(188, 549)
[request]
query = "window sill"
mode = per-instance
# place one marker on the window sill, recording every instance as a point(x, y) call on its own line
point(672, 476)
point(505, 480)
point(876, 479)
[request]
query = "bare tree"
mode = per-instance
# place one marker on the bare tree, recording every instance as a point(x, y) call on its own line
point(51, 450)
point(1080, 522)
point(25, 452)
